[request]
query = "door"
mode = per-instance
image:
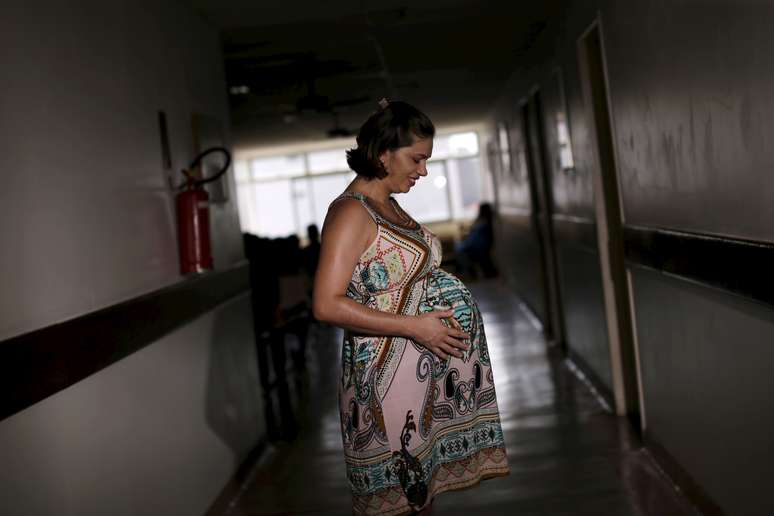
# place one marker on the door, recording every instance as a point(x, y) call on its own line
point(542, 202)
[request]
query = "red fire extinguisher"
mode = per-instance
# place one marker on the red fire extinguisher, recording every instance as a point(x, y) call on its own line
point(193, 219)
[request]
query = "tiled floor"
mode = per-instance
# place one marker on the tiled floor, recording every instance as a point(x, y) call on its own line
point(568, 456)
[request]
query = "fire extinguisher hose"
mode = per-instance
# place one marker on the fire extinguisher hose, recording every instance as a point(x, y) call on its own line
point(192, 182)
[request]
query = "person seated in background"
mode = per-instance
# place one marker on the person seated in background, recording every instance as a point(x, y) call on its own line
point(476, 248)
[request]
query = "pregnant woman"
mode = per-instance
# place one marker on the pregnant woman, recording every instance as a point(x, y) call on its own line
point(417, 397)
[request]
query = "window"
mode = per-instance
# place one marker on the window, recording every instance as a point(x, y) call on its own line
point(566, 161)
point(503, 142)
point(323, 190)
point(465, 186)
point(455, 145)
point(241, 172)
point(281, 195)
point(428, 200)
point(327, 161)
point(270, 209)
point(563, 139)
point(277, 166)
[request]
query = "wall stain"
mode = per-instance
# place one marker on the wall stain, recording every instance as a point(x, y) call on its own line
point(709, 148)
point(669, 153)
point(692, 149)
point(745, 122)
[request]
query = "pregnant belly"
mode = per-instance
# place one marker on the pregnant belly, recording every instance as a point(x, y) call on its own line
point(445, 290)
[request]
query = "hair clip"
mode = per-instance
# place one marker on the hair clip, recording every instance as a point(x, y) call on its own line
point(384, 103)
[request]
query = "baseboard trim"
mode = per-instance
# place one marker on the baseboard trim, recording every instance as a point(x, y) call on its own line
point(586, 374)
point(231, 492)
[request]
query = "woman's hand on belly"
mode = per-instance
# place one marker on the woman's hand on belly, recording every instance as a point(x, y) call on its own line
point(429, 331)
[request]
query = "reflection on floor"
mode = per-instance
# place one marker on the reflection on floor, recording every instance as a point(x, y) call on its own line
point(568, 456)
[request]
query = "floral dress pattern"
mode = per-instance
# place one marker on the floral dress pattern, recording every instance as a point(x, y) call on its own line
point(414, 425)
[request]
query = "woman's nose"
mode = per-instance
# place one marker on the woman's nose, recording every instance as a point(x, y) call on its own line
point(422, 170)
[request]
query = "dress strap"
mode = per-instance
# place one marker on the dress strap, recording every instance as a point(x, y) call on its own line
point(363, 201)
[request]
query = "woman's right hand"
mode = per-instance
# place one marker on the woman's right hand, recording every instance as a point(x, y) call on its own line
point(429, 331)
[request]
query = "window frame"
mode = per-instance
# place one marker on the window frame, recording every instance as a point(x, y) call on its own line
point(253, 223)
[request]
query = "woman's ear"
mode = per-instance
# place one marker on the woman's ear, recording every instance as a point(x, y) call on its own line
point(384, 157)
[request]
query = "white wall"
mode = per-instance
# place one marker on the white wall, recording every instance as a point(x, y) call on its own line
point(158, 433)
point(85, 216)
point(86, 220)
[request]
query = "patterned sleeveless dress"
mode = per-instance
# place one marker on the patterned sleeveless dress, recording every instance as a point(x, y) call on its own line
point(414, 425)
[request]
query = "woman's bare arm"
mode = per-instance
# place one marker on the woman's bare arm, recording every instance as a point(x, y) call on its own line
point(347, 232)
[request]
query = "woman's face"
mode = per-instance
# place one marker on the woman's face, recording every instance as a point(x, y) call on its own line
point(407, 164)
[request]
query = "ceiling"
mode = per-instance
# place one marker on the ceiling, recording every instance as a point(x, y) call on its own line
point(297, 69)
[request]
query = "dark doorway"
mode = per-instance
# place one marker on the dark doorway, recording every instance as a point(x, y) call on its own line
point(542, 202)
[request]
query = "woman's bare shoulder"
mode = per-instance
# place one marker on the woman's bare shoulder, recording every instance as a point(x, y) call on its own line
point(347, 232)
point(347, 211)
point(348, 219)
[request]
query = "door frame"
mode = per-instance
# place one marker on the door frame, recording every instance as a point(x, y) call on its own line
point(610, 221)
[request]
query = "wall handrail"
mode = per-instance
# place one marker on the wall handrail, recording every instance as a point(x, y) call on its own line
point(42, 362)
